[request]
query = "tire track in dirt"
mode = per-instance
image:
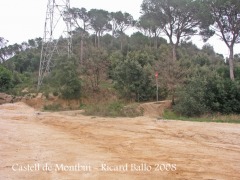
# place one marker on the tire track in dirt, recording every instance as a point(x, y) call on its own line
point(200, 150)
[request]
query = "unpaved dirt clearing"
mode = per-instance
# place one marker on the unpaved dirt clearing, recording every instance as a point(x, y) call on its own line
point(79, 147)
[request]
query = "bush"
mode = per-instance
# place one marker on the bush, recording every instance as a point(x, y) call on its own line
point(71, 89)
point(132, 77)
point(52, 107)
point(191, 99)
point(213, 94)
point(112, 109)
point(64, 79)
point(223, 95)
point(6, 79)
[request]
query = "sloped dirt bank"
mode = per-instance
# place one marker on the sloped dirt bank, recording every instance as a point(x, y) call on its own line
point(68, 145)
point(155, 109)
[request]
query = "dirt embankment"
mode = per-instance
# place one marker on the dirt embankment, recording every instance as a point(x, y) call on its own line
point(6, 98)
point(68, 145)
point(155, 109)
point(39, 101)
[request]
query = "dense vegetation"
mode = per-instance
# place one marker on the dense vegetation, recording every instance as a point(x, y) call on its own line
point(197, 81)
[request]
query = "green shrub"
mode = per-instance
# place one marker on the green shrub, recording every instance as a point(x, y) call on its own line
point(223, 95)
point(112, 109)
point(55, 93)
point(132, 76)
point(71, 89)
point(132, 110)
point(213, 94)
point(169, 114)
point(52, 107)
point(64, 79)
point(190, 100)
point(6, 79)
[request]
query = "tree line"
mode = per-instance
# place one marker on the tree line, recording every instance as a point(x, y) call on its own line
point(105, 57)
point(177, 20)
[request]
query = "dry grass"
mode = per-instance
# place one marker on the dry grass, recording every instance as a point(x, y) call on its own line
point(231, 118)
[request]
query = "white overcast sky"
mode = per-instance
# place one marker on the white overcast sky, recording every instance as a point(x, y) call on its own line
point(24, 19)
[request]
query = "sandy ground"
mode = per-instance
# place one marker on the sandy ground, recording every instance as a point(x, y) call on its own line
point(68, 145)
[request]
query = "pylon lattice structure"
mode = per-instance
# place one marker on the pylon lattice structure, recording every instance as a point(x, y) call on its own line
point(57, 38)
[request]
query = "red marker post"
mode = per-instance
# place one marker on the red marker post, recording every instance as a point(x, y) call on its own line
point(156, 76)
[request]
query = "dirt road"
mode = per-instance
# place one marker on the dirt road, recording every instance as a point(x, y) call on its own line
point(68, 145)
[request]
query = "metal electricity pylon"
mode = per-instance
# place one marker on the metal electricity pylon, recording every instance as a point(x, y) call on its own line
point(57, 30)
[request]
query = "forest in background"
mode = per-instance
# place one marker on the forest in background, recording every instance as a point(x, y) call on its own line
point(108, 61)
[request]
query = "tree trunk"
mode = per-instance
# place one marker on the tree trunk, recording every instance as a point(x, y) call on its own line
point(150, 41)
point(113, 34)
point(81, 51)
point(98, 39)
point(155, 41)
point(1, 60)
point(173, 100)
point(231, 65)
point(174, 52)
point(121, 39)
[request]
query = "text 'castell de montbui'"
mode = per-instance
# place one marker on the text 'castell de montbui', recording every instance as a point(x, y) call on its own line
point(50, 167)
